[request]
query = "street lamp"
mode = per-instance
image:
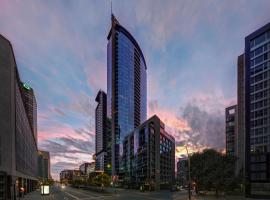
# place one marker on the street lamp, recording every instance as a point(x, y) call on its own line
point(189, 185)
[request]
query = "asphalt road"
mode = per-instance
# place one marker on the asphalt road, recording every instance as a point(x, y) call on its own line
point(68, 193)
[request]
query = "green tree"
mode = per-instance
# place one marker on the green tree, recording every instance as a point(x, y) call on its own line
point(212, 170)
point(102, 179)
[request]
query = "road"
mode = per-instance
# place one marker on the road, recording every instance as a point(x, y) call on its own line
point(68, 193)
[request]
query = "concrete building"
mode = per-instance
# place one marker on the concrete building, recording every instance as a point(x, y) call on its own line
point(87, 168)
point(231, 130)
point(67, 176)
point(182, 172)
point(149, 156)
point(257, 112)
point(103, 135)
point(240, 137)
point(18, 145)
point(44, 165)
point(126, 88)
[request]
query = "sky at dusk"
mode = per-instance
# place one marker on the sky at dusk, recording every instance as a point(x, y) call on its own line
point(190, 47)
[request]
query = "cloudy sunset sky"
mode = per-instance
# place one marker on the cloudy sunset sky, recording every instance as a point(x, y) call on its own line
point(190, 47)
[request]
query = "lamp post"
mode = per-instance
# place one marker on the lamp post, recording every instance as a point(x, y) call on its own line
point(189, 185)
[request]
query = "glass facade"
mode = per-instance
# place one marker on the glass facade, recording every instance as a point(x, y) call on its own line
point(149, 156)
point(257, 66)
point(126, 87)
point(259, 93)
point(26, 149)
point(30, 105)
point(231, 126)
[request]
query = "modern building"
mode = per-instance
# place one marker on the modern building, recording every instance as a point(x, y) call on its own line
point(149, 156)
point(257, 112)
point(240, 136)
point(87, 168)
point(108, 160)
point(67, 176)
point(182, 172)
point(18, 145)
point(231, 130)
point(126, 88)
point(30, 105)
point(103, 135)
point(44, 165)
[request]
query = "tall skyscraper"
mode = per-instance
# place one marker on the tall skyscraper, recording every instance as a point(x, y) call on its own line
point(101, 139)
point(18, 145)
point(30, 105)
point(126, 87)
point(257, 112)
point(240, 137)
point(44, 165)
point(231, 130)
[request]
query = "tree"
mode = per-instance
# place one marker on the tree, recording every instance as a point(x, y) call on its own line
point(212, 170)
point(102, 179)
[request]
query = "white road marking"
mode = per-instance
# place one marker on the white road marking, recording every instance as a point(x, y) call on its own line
point(93, 197)
point(72, 195)
point(86, 193)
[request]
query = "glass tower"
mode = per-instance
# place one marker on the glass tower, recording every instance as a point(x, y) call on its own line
point(257, 103)
point(126, 88)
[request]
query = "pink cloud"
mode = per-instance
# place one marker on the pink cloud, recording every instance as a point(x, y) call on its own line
point(61, 130)
point(171, 120)
point(96, 79)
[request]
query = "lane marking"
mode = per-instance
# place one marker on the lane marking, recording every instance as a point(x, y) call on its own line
point(86, 193)
point(72, 195)
point(93, 197)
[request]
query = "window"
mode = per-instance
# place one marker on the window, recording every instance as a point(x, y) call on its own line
point(259, 51)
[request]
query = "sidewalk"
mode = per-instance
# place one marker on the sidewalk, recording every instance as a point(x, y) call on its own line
point(222, 198)
point(37, 196)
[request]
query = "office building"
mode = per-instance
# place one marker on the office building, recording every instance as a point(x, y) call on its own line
point(126, 88)
point(67, 176)
point(182, 172)
point(87, 168)
point(108, 160)
point(231, 130)
point(257, 112)
point(149, 156)
point(30, 105)
point(44, 165)
point(103, 135)
point(240, 136)
point(18, 148)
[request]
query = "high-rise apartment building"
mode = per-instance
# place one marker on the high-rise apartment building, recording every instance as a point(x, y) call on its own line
point(149, 156)
point(18, 145)
point(231, 130)
point(44, 165)
point(182, 172)
point(257, 112)
point(240, 137)
point(103, 135)
point(126, 88)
